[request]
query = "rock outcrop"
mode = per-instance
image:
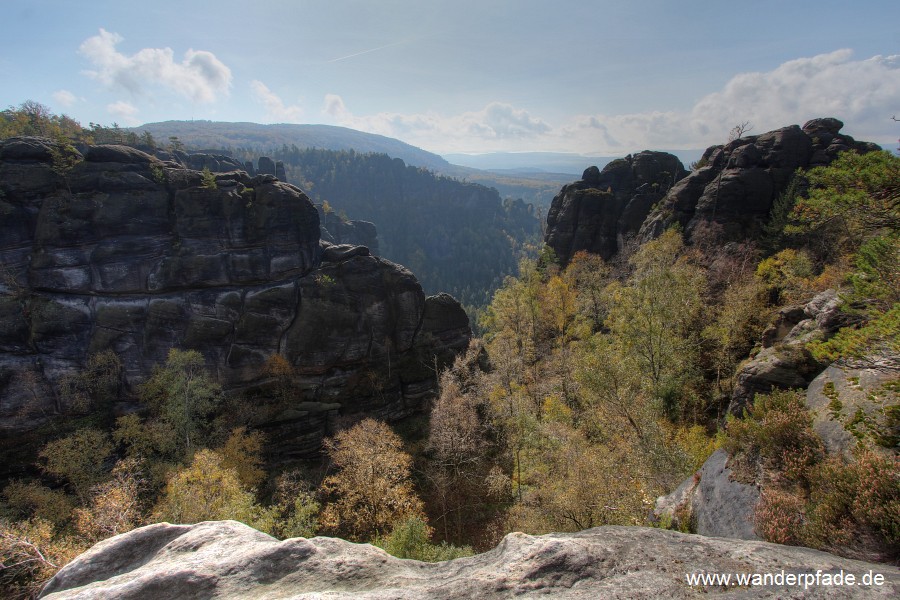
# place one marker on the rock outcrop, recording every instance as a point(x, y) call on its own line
point(133, 254)
point(711, 503)
point(737, 183)
point(730, 194)
point(599, 212)
point(227, 559)
point(341, 231)
point(784, 362)
point(857, 400)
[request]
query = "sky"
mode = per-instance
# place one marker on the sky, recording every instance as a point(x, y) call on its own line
point(600, 77)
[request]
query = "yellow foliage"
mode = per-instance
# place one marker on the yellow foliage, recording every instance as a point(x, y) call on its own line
point(208, 491)
point(114, 506)
point(243, 453)
point(78, 458)
point(373, 489)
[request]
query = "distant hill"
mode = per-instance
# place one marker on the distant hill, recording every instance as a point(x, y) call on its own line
point(264, 138)
point(529, 163)
point(530, 185)
point(534, 165)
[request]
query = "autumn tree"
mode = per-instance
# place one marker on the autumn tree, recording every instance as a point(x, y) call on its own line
point(183, 395)
point(652, 318)
point(79, 459)
point(372, 488)
point(114, 505)
point(456, 443)
point(207, 490)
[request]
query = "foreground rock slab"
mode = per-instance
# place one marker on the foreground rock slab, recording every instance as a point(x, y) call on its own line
point(226, 559)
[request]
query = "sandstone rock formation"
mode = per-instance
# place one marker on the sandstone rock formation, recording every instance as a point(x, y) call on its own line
point(731, 193)
point(340, 231)
point(605, 207)
point(853, 400)
point(712, 503)
point(784, 362)
point(227, 559)
point(130, 253)
point(738, 182)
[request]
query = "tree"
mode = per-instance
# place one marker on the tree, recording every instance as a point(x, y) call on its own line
point(114, 506)
point(63, 159)
point(96, 386)
point(183, 395)
point(854, 198)
point(372, 489)
point(739, 130)
point(78, 458)
point(457, 443)
point(651, 317)
point(207, 490)
point(243, 453)
point(31, 552)
point(208, 179)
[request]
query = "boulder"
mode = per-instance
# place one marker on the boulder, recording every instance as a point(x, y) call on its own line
point(711, 503)
point(857, 401)
point(226, 559)
point(784, 362)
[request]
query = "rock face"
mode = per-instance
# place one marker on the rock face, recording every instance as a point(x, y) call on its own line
point(129, 253)
point(227, 559)
point(605, 207)
point(339, 231)
point(784, 362)
point(711, 503)
point(857, 401)
point(737, 185)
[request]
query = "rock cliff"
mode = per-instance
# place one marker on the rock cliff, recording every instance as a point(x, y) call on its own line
point(120, 250)
point(227, 559)
point(733, 189)
point(605, 207)
point(737, 183)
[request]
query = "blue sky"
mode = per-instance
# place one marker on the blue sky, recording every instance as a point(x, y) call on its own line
point(598, 77)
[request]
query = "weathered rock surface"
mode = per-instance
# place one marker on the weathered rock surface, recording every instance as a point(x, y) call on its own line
point(711, 503)
point(227, 559)
point(852, 401)
point(737, 185)
point(339, 231)
point(599, 212)
point(784, 362)
point(132, 254)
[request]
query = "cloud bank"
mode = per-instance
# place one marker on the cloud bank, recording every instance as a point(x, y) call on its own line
point(200, 76)
point(276, 110)
point(862, 93)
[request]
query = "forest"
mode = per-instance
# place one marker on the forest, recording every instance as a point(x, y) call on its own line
point(594, 387)
point(457, 237)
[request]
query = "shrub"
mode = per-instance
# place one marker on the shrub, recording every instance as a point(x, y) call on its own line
point(775, 436)
point(854, 507)
point(411, 537)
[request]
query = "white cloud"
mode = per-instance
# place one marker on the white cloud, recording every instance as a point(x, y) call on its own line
point(64, 98)
point(492, 127)
point(862, 93)
point(200, 76)
point(123, 111)
point(276, 110)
